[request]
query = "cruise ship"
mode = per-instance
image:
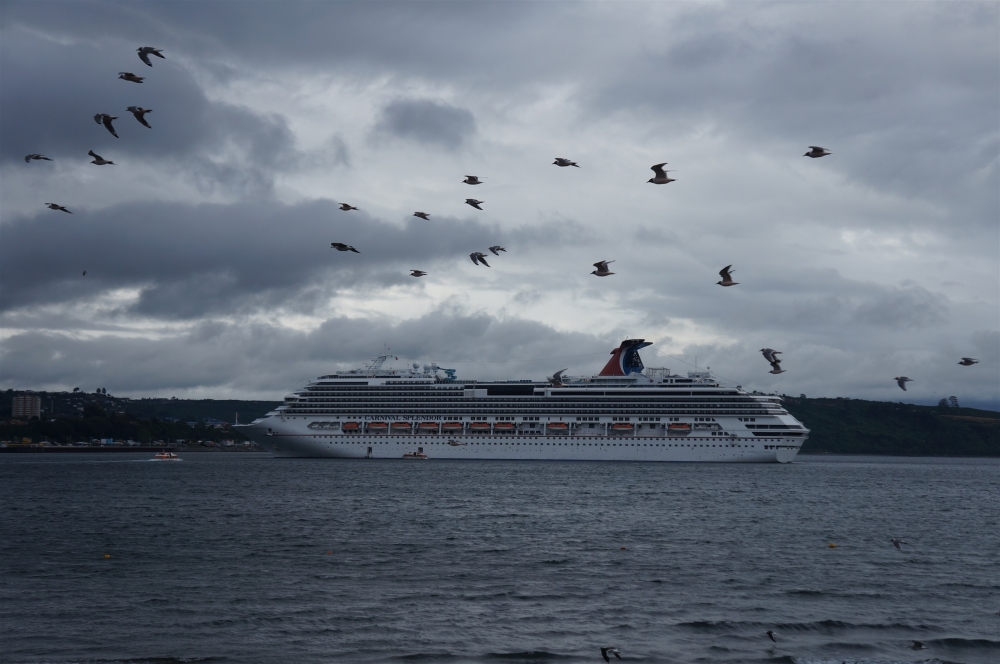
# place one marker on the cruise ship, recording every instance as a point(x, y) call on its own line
point(627, 412)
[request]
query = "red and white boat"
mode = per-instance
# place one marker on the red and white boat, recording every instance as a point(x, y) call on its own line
point(165, 456)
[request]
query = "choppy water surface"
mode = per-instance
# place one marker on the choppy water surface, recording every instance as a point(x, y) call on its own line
point(244, 558)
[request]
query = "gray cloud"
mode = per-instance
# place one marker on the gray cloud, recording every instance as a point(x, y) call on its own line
point(269, 360)
point(215, 143)
point(426, 121)
point(274, 102)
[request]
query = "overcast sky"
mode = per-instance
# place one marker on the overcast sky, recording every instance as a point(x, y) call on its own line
point(207, 244)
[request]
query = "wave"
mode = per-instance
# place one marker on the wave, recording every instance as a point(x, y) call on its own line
point(531, 656)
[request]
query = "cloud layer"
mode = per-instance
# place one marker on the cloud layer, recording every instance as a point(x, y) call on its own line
point(207, 245)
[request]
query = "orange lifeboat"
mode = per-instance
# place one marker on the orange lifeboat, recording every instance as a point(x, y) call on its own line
point(349, 427)
point(414, 455)
point(451, 426)
point(558, 426)
point(377, 427)
point(622, 426)
point(401, 425)
point(678, 428)
point(427, 425)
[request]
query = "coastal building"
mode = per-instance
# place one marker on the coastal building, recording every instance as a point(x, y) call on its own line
point(26, 406)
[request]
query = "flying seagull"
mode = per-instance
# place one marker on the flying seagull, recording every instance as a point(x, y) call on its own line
point(917, 645)
point(345, 207)
point(661, 176)
point(769, 354)
point(422, 215)
point(472, 179)
point(902, 381)
point(340, 246)
point(771, 635)
point(816, 151)
point(139, 112)
point(28, 158)
point(896, 542)
point(613, 651)
point(727, 277)
point(105, 119)
point(129, 76)
point(474, 203)
point(776, 368)
point(417, 273)
point(602, 268)
point(85, 273)
point(99, 160)
point(455, 443)
point(145, 51)
point(968, 361)
point(561, 161)
point(496, 249)
point(56, 206)
point(556, 379)
point(479, 257)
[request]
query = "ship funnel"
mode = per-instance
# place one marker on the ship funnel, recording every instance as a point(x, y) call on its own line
point(625, 359)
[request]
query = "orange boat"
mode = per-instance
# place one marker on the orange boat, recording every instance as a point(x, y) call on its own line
point(378, 427)
point(622, 426)
point(427, 425)
point(402, 425)
point(166, 456)
point(678, 427)
point(349, 427)
point(414, 455)
point(558, 426)
point(452, 425)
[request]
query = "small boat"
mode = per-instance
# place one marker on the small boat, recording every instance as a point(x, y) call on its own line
point(427, 425)
point(622, 426)
point(452, 425)
point(350, 427)
point(402, 425)
point(559, 426)
point(377, 427)
point(166, 456)
point(504, 426)
point(678, 427)
point(414, 455)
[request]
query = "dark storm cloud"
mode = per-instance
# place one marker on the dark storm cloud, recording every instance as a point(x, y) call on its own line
point(51, 92)
point(427, 122)
point(267, 359)
point(194, 260)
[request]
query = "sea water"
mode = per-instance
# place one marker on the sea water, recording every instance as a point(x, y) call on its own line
point(245, 558)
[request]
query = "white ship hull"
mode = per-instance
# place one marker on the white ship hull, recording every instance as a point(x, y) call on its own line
point(541, 448)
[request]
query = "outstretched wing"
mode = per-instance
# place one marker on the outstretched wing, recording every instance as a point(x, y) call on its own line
point(658, 170)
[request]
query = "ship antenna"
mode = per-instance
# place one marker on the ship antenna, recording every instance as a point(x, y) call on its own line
point(377, 362)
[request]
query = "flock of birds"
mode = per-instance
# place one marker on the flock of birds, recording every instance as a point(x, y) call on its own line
point(660, 176)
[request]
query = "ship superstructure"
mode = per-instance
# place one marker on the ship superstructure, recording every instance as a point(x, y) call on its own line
point(625, 413)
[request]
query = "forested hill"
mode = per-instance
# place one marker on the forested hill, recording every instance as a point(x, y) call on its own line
point(839, 426)
point(853, 426)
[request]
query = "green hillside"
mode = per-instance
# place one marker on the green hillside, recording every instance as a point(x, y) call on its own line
point(852, 426)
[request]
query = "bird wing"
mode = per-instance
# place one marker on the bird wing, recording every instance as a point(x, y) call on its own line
point(604, 654)
point(94, 155)
point(106, 120)
point(141, 119)
point(482, 259)
point(724, 272)
point(658, 169)
point(816, 147)
point(354, 250)
point(475, 259)
point(98, 117)
point(144, 56)
point(27, 158)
